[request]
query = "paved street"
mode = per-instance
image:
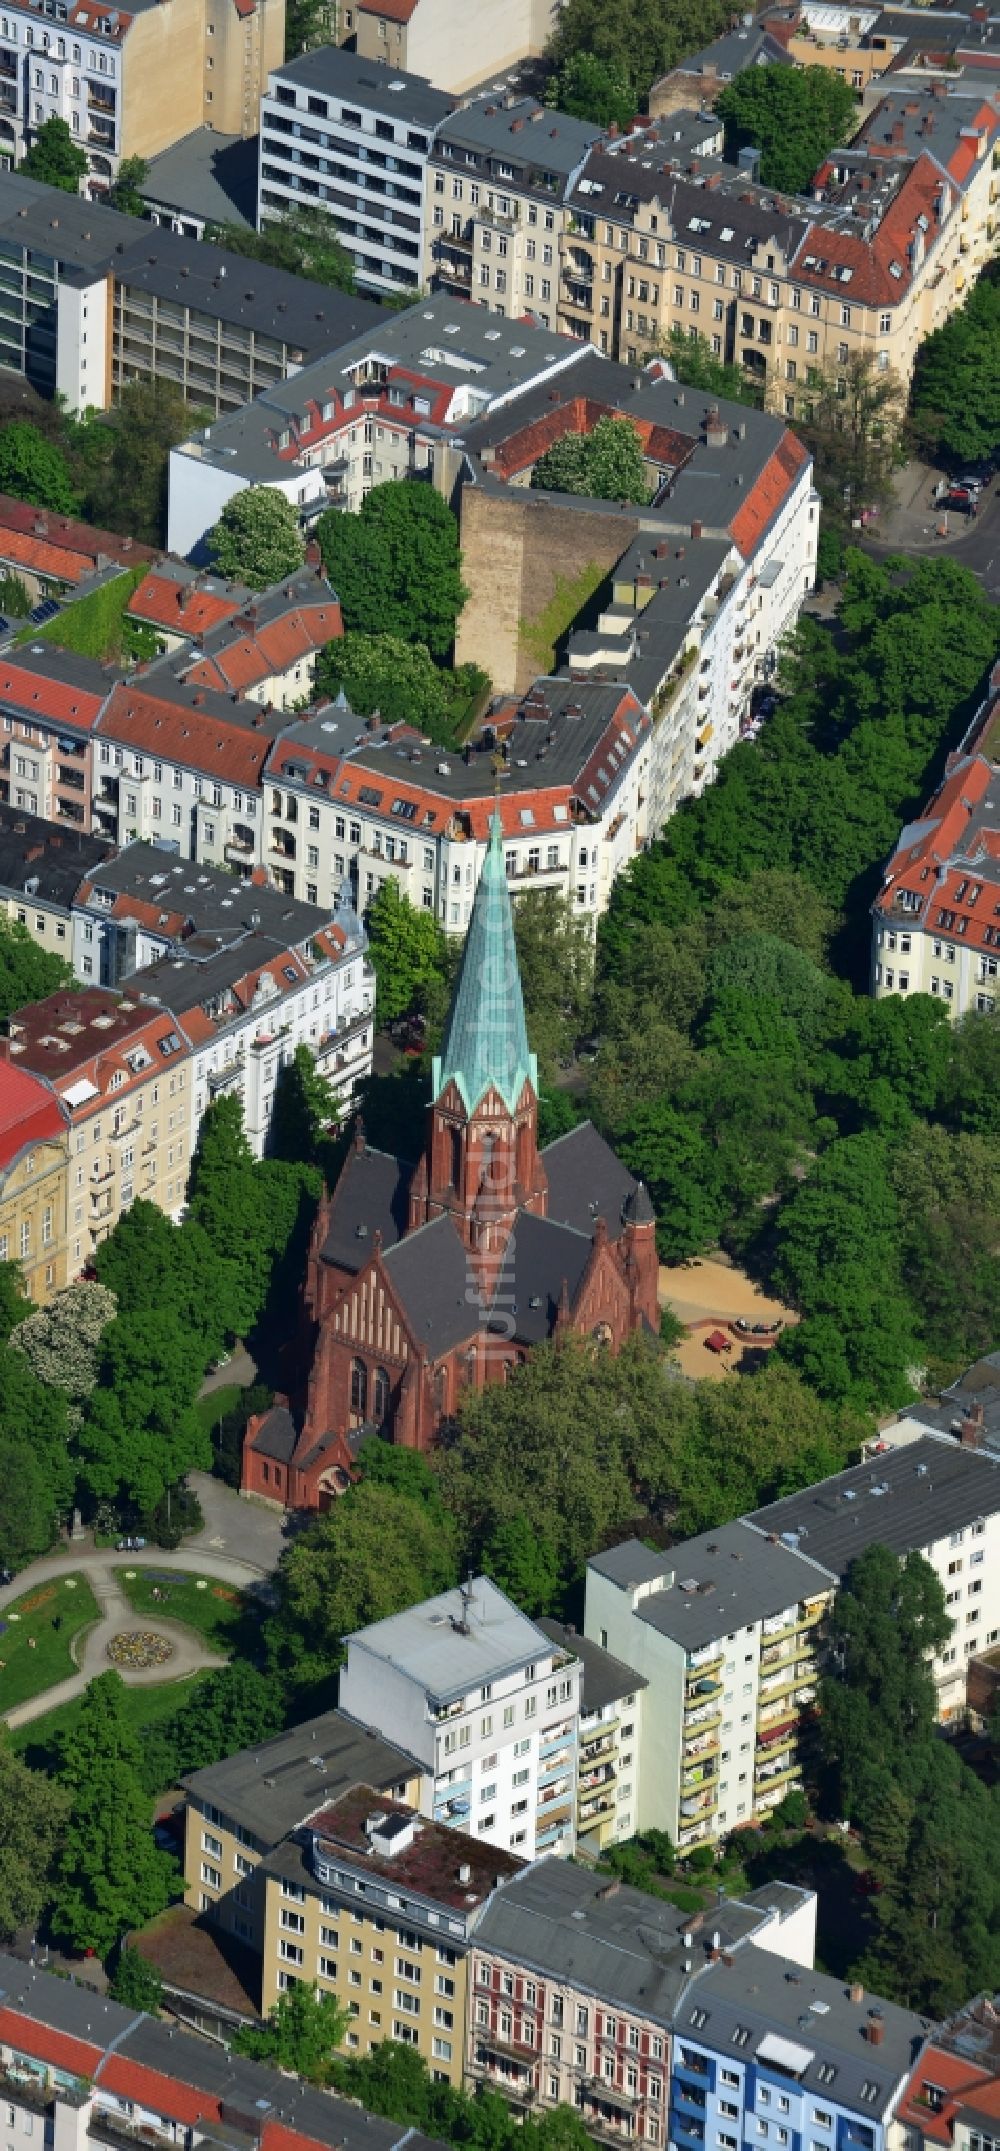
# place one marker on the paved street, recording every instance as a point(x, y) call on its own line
point(911, 526)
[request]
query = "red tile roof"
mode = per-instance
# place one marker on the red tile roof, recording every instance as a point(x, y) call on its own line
point(580, 414)
point(41, 697)
point(779, 475)
point(28, 1114)
point(948, 2072)
point(45, 2044)
point(70, 535)
point(162, 2094)
point(199, 739)
point(169, 601)
point(267, 652)
point(86, 1037)
point(393, 10)
point(872, 262)
point(929, 844)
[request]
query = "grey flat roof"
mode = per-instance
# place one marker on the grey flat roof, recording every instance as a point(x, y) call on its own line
point(332, 71)
point(605, 1679)
point(52, 854)
point(932, 1488)
point(522, 130)
point(568, 1923)
point(766, 1994)
point(206, 175)
point(544, 750)
point(61, 2003)
point(271, 1789)
point(720, 1581)
point(427, 1643)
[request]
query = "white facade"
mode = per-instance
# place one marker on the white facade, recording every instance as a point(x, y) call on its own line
point(500, 1754)
point(331, 1011)
point(137, 798)
point(52, 70)
point(199, 489)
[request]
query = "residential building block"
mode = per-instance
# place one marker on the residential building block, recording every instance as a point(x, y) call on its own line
point(337, 130)
point(182, 763)
point(497, 179)
point(34, 1180)
point(934, 919)
point(487, 1705)
point(50, 701)
point(53, 553)
point(258, 645)
point(42, 865)
point(953, 2095)
point(610, 1708)
point(455, 51)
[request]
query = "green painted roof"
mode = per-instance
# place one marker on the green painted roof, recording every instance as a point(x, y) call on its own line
point(486, 1040)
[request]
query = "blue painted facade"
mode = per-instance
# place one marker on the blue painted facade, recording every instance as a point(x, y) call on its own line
point(719, 2102)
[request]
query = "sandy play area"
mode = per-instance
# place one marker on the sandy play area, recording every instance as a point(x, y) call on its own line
point(710, 1293)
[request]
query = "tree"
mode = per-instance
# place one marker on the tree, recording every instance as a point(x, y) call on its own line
point(62, 1342)
point(237, 1707)
point(34, 469)
point(398, 679)
point(878, 1699)
point(521, 1560)
point(303, 2030)
point(125, 191)
point(29, 1500)
point(606, 464)
point(852, 420)
point(14, 600)
point(593, 89)
point(55, 158)
point(555, 953)
point(309, 23)
point(257, 539)
point(407, 950)
point(692, 360)
point(33, 1811)
point(641, 38)
point(223, 1198)
point(793, 115)
point(306, 1109)
point(125, 456)
point(107, 1874)
point(838, 1259)
point(136, 1983)
point(956, 382)
point(302, 240)
point(396, 565)
point(376, 1551)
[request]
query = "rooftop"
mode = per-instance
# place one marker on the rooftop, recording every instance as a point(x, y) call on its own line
point(908, 1498)
point(520, 130)
point(456, 1641)
point(605, 1679)
point(567, 1923)
point(194, 1956)
point(205, 176)
point(332, 71)
point(429, 1859)
point(209, 901)
point(706, 1586)
point(28, 1114)
point(271, 1789)
point(802, 2026)
point(46, 859)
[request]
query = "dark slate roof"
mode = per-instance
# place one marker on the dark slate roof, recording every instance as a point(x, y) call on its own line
point(605, 1679)
point(628, 1564)
point(271, 1789)
point(721, 1580)
point(276, 1435)
point(431, 1273)
point(54, 855)
point(540, 1254)
point(907, 1498)
point(586, 1181)
point(371, 1195)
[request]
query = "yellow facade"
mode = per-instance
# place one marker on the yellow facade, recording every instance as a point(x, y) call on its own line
point(33, 1216)
point(216, 61)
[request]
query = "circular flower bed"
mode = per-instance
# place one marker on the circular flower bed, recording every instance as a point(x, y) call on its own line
point(138, 1648)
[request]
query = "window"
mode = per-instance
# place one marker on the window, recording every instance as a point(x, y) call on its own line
point(211, 1875)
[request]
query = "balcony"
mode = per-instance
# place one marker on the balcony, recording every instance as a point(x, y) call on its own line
point(701, 1691)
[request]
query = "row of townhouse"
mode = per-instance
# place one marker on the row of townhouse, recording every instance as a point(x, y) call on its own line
point(617, 241)
point(192, 984)
point(935, 919)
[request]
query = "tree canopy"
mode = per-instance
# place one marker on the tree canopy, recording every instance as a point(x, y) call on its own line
point(407, 950)
point(55, 158)
point(257, 538)
point(793, 115)
point(301, 2034)
point(303, 240)
point(396, 565)
point(35, 469)
point(956, 383)
point(606, 464)
point(593, 89)
point(640, 39)
point(398, 679)
point(107, 1874)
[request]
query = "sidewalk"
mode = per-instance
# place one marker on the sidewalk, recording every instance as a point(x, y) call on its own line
point(912, 520)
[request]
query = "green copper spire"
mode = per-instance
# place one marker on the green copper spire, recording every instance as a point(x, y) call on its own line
point(485, 1040)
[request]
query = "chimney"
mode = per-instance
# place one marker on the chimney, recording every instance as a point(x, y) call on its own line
point(971, 1430)
point(696, 530)
point(716, 434)
point(875, 2028)
point(855, 1992)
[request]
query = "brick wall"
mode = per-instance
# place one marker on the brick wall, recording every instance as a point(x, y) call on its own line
point(516, 550)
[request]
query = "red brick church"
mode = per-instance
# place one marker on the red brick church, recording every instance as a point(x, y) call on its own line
point(426, 1280)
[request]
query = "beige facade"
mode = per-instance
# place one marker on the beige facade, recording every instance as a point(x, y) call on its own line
point(33, 1193)
point(453, 47)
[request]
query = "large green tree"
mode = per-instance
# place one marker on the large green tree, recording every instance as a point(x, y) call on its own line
point(793, 115)
point(257, 539)
point(692, 360)
point(956, 382)
point(35, 469)
point(889, 1620)
point(108, 1875)
point(124, 192)
point(33, 1812)
point(640, 39)
point(55, 158)
point(396, 565)
point(303, 240)
point(407, 949)
point(301, 2034)
point(399, 679)
point(376, 1551)
point(123, 457)
point(606, 464)
point(593, 89)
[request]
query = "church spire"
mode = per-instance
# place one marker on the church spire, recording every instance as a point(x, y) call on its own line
point(486, 1041)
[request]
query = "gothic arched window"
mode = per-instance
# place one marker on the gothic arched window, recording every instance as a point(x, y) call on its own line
point(359, 1390)
point(380, 1397)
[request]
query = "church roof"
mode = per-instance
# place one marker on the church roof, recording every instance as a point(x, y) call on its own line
point(371, 1195)
point(539, 1258)
point(587, 1181)
point(436, 1283)
point(486, 1040)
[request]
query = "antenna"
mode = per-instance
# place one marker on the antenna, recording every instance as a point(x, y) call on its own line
point(462, 1625)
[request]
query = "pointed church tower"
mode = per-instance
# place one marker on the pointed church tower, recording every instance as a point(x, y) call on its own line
point(481, 1163)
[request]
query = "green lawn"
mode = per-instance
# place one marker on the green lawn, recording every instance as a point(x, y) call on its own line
point(213, 1609)
point(35, 1636)
point(216, 1404)
point(142, 1707)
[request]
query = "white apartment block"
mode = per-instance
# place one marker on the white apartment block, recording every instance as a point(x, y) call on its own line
point(936, 919)
point(182, 765)
point(68, 64)
point(488, 1707)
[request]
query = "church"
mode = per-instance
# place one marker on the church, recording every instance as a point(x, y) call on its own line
point(430, 1278)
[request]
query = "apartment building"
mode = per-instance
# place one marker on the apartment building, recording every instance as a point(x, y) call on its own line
point(577, 1982)
point(497, 179)
point(770, 2053)
point(934, 920)
point(699, 79)
point(354, 135)
point(243, 1808)
point(570, 764)
point(90, 299)
point(103, 73)
point(53, 553)
point(50, 701)
point(953, 2095)
point(42, 865)
point(119, 1072)
point(185, 764)
point(83, 2071)
point(380, 406)
point(870, 263)
point(724, 1629)
point(454, 50)
point(487, 1705)
point(258, 645)
point(610, 1706)
point(34, 1177)
point(380, 1905)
